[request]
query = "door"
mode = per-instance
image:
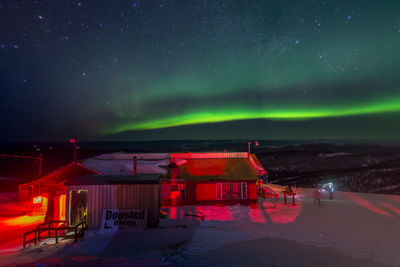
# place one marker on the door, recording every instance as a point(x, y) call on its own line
point(78, 206)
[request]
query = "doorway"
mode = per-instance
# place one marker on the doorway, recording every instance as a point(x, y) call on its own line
point(77, 206)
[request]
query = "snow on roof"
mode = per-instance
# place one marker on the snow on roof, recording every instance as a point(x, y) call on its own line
point(125, 166)
point(204, 165)
point(212, 169)
point(114, 179)
point(130, 156)
point(66, 172)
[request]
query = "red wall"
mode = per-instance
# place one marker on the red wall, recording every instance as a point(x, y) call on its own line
point(204, 192)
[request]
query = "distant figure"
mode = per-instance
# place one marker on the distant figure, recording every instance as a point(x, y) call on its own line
point(331, 190)
point(317, 196)
point(290, 188)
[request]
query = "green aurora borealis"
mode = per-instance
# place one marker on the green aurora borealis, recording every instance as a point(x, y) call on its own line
point(143, 66)
point(279, 114)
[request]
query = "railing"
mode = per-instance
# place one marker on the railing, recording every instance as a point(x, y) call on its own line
point(63, 231)
point(287, 193)
point(263, 192)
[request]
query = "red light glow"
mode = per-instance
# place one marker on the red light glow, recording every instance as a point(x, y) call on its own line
point(22, 221)
point(215, 213)
point(37, 200)
point(39, 205)
point(366, 204)
point(390, 207)
point(205, 167)
point(173, 213)
point(255, 215)
point(285, 215)
point(59, 207)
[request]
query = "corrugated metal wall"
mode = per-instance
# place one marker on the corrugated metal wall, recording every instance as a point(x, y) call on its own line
point(126, 196)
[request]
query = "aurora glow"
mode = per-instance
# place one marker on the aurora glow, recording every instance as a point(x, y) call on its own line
point(107, 67)
point(280, 114)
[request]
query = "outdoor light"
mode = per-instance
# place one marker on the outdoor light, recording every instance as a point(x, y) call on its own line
point(248, 146)
point(73, 141)
point(37, 200)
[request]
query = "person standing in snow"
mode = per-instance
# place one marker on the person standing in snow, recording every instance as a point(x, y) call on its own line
point(331, 189)
point(317, 196)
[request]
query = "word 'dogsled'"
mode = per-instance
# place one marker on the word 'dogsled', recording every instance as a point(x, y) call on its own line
point(116, 219)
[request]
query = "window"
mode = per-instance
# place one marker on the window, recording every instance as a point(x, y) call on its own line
point(219, 191)
point(244, 190)
point(231, 191)
point(173, 192)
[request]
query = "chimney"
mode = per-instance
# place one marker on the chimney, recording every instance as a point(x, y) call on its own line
point(134, 164)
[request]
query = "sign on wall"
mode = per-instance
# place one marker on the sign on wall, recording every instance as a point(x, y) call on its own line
point(123, 219)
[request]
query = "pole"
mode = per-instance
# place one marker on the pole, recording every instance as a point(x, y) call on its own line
point(248, 148)
point(134, 165)
point(75, 153)
point(40, 165)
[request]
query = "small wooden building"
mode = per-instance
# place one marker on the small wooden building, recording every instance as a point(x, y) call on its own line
point(210, 178)
point(93, 196)
point(47, 193)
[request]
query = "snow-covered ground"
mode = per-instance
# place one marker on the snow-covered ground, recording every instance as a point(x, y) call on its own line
point(351, 230)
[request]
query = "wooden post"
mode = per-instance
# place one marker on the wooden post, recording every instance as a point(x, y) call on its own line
point(284, 197)
point(294, 201)
point(76, 229)
point(36, 237)
point(56, 236)
point(24, 244)
point(48, 226)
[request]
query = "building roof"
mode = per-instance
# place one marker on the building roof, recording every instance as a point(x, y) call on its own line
point(125, 166)
point(115, 179)
point(213, 169)
point(66, 172)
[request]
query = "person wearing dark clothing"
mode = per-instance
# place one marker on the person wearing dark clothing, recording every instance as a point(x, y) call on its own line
point(331, 190)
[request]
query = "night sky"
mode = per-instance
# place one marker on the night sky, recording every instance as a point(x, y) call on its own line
point(156, 69)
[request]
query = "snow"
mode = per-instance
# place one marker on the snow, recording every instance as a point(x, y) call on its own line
point(125, 166)
point(353, 229)
point(336, 154)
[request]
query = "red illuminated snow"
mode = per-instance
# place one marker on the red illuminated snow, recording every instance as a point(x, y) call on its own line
point(358, 229)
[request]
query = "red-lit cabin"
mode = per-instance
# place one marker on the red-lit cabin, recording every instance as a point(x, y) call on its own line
point(50, 191)
point(210, 178)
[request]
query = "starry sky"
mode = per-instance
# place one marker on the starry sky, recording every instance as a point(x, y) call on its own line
point(165, 69)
